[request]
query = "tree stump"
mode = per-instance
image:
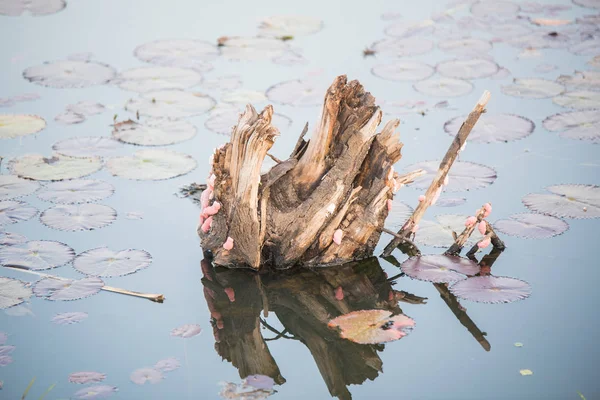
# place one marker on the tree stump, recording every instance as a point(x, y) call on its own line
point(325, 205)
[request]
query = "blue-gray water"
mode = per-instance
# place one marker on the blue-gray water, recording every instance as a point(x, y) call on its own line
point(558, 324)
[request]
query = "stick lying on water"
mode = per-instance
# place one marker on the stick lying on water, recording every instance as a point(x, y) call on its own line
point(460, 241)
point(445, 165)
point(157, 298)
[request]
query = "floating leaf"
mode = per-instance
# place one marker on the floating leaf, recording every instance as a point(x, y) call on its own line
point(5, 360)
point(372, 326)
point(579, 125)
point(289, 25)
point(17, 125)
point(154, 132)
point(498, 9)
point(69, 118)
point(76, 191)
point(578, 99)
point(12, 187)
point(5, 350)
point(491, 289)
point(3, 338)
point(545, 68)
point(587, 3)
point(525, 372)
point(145, 79)
point(84, 147)
point(402, 47)
point(151, 164)
point(244, 97)
point(252, 48)
point(183, 53)
point(404, 29)
point(467, 68)
point(493, 128)
point(170, 104)
point(168, 364)
point(86, 108)
point(567, 201)
point(12, 212)
point(403, 71)
point(243, 391)
point(70, 318)
point(78, 217)
point(224, 83)
point(444, 87)
point(37, 255)
point(465, 46)
point(86, 377)
point(105, 263)
point(19, 311)
point(10, 239)
point(441, 234)
point(450, 201)
point(69, 74)
point(533, 88)
point(439, 268)
point(584, 80)
point(296, 93)
point(259, 381)
point(398, 215)
point(147, 374)
point(518, 344)
point(13, 292)
point(186, 331)
point(14, 8)
point(531, 226)
point(95, 392)
point(39, 168)
point(67, 289)
point(464, 175)
point(223, 118)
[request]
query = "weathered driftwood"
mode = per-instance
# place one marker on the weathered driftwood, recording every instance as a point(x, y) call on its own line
point(339, 183)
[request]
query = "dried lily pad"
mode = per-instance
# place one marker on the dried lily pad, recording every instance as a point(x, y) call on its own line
point(13, 292)
point(403, 71)
point(76, 191)
point(463, 175)
point(183, 53)
point(494, 128)
point(106, 263)
point(567, 201)
point(404, 29)
point(171, 104)
point(37, 255)
point(78, 217)
point(186, 331)
point(579, 125)
point(439, 268)
point(69, 74)
point(85, 377)
point(146, 79)
point(17, 125)
point(67, 289)
point(296, 93)
point(578, 99)
point(56, 168)
point(143, 375)
point(532, 88)
point(252, 48)
point(70, 318)
point(151, 164)
point(412, 46)
point(95, 392)
point(154, 131)
point(84, 147)
point(491, 289)
point(168, 364)
point(12, 212)
point(222, 119)
point(12, 187)
point(289, 25)
point(15, 8)
point(444, 87)
point(441, 233)
point(531, 226)
point(497, 9)
point(467, 69)
point(372, 326)
point(465, 46)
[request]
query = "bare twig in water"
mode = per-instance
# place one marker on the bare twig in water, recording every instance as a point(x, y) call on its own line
point(27, 389)
point(409, 177)
point(445, 165)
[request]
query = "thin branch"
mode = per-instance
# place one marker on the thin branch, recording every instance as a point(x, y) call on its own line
point(275, 331)
point(410, 176)
point(496, 241)
point(444, 168)
point(277, 160)
point(460, 241)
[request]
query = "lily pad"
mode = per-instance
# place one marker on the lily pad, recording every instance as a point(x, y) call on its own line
point(67, 289)
point(244, 97)
point(10, 239)
point(408, 47)
point(12, 187)
point(578, 99)
point(37, 255)
point(15, 8)
point(105, 263)
point(404, 29)
point(12, 212)
point(403, 71)
point(13, 292)
point(183, 53)
point(186, 331)
point(467, 68)
point(69, 118)
point(372, 326)
point(70, 318)
point(170, 104)
point(84, 147)
point(491, 289)
point(95, 392)
point(439, 268)
point(69, 74)
point(56, 168)
point(154, 132)
point(531, 226)
point(85, 377)
point(398, 215)
point(222, 120)
point(465, 46)
point(289, 25)
point(76, 191)
point(450, 201)
point(17, 125)
point(494, 128)
point(443, 87)
point(588, 3)
point(463, 175)
point(168, 364)
point(143, 375)
point(252, 48)
point(498, 9)
point(579, 125)
point(151, 164)
point(296, 93)
point(145, 79)
point(78, 217)
point(567, 201)
point(224, 83)
point(533, 88)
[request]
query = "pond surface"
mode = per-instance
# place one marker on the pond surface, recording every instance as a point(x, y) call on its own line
point(558, 325)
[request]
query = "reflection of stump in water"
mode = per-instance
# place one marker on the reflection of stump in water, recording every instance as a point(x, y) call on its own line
point(304, 302)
